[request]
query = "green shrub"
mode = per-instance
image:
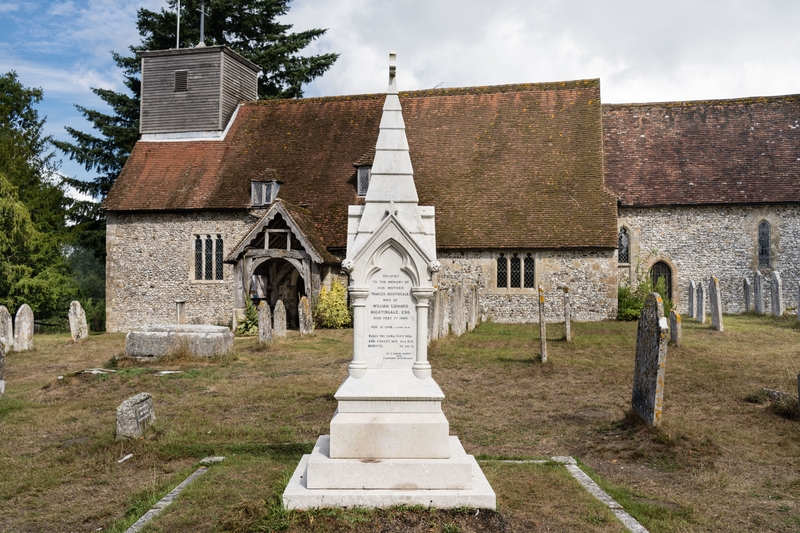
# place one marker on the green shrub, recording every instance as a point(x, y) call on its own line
point(248, 326)
point(331, 310)
point(630, 301)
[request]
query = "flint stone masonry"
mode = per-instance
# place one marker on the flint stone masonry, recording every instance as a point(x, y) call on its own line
point(23, 329)
point(306, 320)
point(264, 323)
point(158, 340)
point(6, 329)
point(748, 303)
point(675, 329)
point(134, 415)
point(701, 303)
point(716, 304)
point(758, 292)
point(776, 294)
point(692, 298)
point(651, 359)
point(279, 321)
point(78, 328)
point(698, 240)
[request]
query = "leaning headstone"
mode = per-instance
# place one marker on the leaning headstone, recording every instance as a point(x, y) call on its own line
point(716, 304)
point(6, 329)
point(701, 303)
point(567, 328)
point(758, 292)
point(675, 333)
point(78, 328)
point(279, 321)
point(748, 304)
point(692, 297)
point(306, 320)
point(134, 415)
point(651, 359)
point(264, 323)
point(542, 327)
point(776, 293)
point(23, 329)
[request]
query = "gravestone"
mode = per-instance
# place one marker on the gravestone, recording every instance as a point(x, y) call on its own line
point(567, 310)
point(279, 321)
point(433, 316)
point(389, 442)
point(675, 330)
point(701, 303)
point(651, 359)
point(692, 298)
point(2, 367)
point(472, 308)
point(78, 328)
point(748, 303)
point(306, 320)
point(264, 323)
point(542, 327)
point(134, 415)
point(776, 293)
point(23, 329)
point(458, 320)
point(6, 329)
point(716, 304)
point(444, 312)
point(758, 292)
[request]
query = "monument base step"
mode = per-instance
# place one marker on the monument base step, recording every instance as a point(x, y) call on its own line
point(326, 473)
point(479, 494)
point(389, 436)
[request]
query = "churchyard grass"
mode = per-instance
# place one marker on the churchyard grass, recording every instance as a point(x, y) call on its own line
point(717, 463)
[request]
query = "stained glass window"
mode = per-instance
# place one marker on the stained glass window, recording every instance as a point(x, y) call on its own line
point(763, 244)
point(502, 271)
point(529, 277)
point(623, 246)
point(516, 274)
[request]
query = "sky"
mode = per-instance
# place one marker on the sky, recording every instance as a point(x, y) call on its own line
point(642, 50)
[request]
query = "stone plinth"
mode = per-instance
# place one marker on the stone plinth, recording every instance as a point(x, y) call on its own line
point(134, 415)
point(23, 329)
point(78, 328)
point(158, 340)
point(651, 360)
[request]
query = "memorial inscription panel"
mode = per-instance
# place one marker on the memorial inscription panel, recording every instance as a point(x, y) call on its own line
point(391, 317)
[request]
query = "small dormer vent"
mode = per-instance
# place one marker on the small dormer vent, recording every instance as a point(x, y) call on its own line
point(181, 81)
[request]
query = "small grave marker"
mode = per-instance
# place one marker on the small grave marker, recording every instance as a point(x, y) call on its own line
point(776, 293)
point(567, 328)
point(2, 368)
point(701, 303)
point(279, 328)
point(675, 333)
point(651, 359)
point(264, 323)
point(305, 318)
point(716, 304)
point(692, 298)
point(542, 326)
point(23, 329)
point(134, 415)
point(758, 292)
point(78, 328)
point(6, 329)
point(748, 304)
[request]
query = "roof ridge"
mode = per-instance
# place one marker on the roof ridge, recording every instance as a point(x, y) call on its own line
point(718, 101)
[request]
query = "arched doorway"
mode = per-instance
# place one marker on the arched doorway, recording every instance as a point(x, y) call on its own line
point(278, 279)
point(659, 271)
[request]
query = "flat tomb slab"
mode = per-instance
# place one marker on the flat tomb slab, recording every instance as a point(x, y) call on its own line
point(157, 340)
point(326, 473)
point(298, 496)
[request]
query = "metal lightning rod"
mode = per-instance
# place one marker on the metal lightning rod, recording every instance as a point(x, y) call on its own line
point(178, 33)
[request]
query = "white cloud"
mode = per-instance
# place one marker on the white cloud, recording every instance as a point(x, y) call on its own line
point(8, 8)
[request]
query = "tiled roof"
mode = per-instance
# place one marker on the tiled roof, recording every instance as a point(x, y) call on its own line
point(517, 166)
point(711, 152)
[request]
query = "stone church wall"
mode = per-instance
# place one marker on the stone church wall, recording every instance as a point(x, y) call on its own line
point(590, 275)
point(150, 262)
point(700, 241)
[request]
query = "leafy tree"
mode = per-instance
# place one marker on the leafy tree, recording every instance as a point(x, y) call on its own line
point(247, 26)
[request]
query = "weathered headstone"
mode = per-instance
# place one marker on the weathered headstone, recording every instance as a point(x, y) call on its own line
point(758, 292)
point(6, 329)
point(306, 320)
point(2, 368)
point(78, 328)
point(445, 310)
point(748, 302)
point(458, 320)
point(776, 293)
point(279, 321)
point(692, 298)
point(675, 330)
point(651, 359)
point(433, 316)
point(542, 327)
point(472, 308)
point(134, 415)
point(716, 303)
point(264, 323)
point(389, 440)
point(23, 329)
point(567, 318)
point(701, 303)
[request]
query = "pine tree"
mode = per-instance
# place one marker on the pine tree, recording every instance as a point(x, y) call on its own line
point(247, 26)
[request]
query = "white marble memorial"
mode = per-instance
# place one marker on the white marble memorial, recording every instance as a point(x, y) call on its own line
point(389, 442)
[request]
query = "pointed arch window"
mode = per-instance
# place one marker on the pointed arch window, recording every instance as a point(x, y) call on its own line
point(764, 231)
point(623, 246)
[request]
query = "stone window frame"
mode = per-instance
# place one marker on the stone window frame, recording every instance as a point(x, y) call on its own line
point(628, 234)
point(627, 270)
point(754, 219)
point(215, 258)
point(525, 258)
point(674, 285)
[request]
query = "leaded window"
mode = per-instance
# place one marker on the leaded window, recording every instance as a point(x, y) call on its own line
point(263, 193)
point(218, 259)
point(529, 277)
point(623, 246)
point(208, 257)
point(502, 271)
point(198, 257)
point(516, 274)
point(763, 244)
point(363, 176)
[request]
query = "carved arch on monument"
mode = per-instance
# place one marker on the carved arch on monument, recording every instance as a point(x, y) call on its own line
point(408, 263)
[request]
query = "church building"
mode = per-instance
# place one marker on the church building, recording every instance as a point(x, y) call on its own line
point(225, 197)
